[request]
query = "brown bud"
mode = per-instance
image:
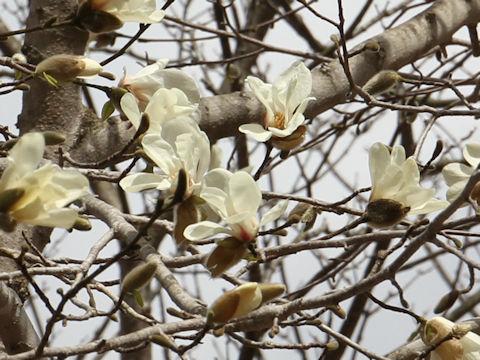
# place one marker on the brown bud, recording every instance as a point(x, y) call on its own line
point(447, 301)
point(139, 276)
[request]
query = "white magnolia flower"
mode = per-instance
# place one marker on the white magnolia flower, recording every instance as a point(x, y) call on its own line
point(164, 105)
point(456, 175)
point(285, 101)
point(180, 145)
point(141, 11)
point(396, 191)
point(464, 347)
point(45, 191)
point(153, 77)
point(235, 197)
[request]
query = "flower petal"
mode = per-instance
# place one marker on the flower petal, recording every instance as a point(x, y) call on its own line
point(275, 212)
point(204, 229)
point(471, 153)
point(143, 181)
point(244, 193)
point(256, 131)
point(455, 172)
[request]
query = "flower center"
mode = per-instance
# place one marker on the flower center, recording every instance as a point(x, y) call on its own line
point(278, 121)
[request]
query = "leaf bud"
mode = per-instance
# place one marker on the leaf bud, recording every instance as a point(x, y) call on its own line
point(82, 224)
point(337, 310)
point(381, 82)
point(332, 345)
point(139, 276)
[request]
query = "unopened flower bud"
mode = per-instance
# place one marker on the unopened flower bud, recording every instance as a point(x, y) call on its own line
point(383, 213)
point(290, 142)
point(271, 291)
point(235, 303)
point(447, 301)
point(381, 82)
point(53, 138)
point(139, 276)
point(67, 67)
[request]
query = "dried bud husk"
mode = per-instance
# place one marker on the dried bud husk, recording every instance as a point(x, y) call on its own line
point(447, 301)
point(7, 223)
point(65, 67)
point(305, 213)
point(337, 310)
point(181, 188)
point(235, 303)
point(139, 276)
point(383, 213)
point(82, 224)
point(96, 21)
point(227, 253)
point(382, 82)
point(9, 197)
point(271, 291)
point(186, 213)
point(290, 142)
point(332, 345)
point(53, 138)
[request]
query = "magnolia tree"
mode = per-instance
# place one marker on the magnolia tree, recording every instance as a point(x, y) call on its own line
point(263, 178)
